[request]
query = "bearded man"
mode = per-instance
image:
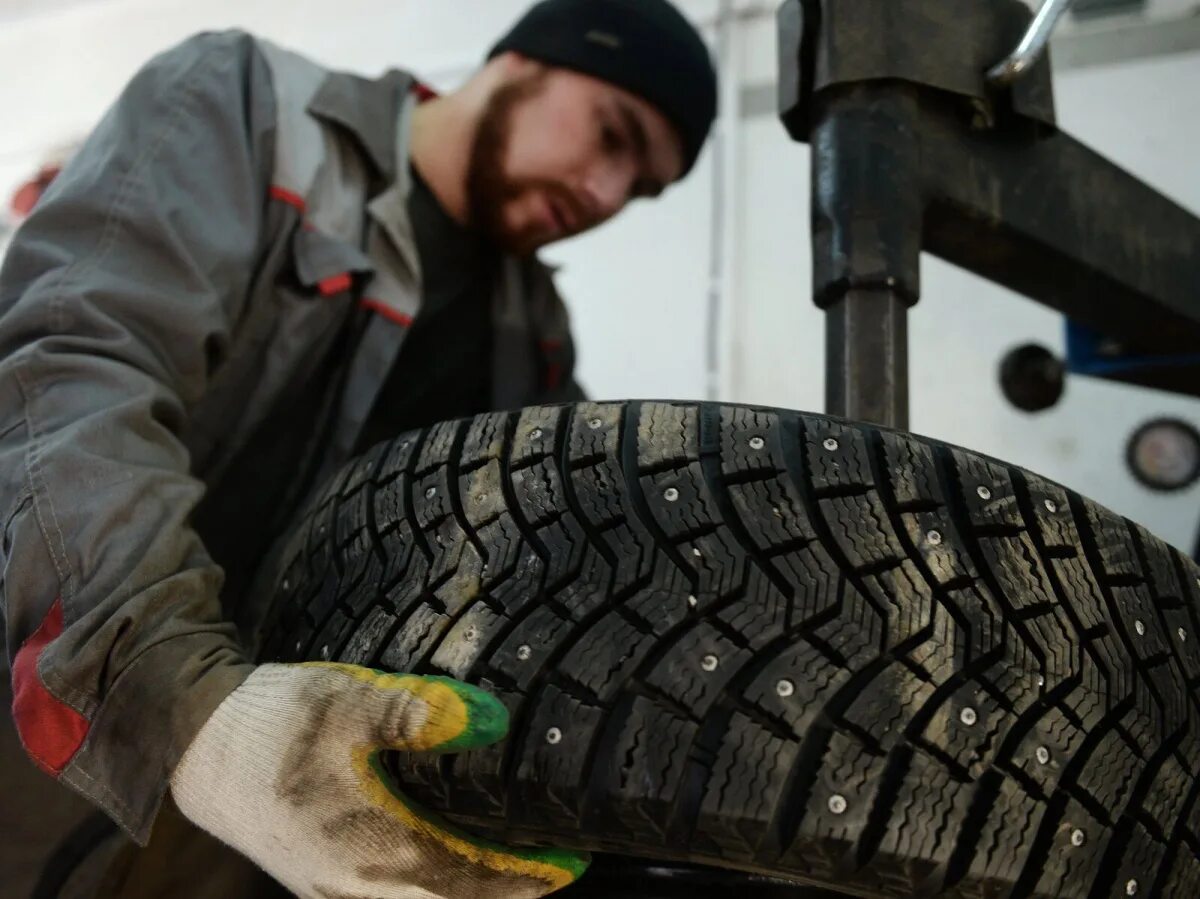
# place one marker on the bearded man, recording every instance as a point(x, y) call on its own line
point(252, 270)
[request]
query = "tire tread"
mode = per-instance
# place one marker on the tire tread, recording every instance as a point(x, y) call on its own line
point(646, 578)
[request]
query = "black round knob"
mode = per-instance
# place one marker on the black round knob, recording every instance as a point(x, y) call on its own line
point(1032, 377)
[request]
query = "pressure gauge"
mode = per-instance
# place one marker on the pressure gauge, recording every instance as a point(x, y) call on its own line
point(1164, 454)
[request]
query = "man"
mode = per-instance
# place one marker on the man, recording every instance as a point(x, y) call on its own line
point(253, 269)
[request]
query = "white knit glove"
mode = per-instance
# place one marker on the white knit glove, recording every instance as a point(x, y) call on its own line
point(287, 772)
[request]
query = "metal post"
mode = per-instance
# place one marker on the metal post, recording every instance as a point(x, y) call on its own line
point(866, 352)
point(867, 218)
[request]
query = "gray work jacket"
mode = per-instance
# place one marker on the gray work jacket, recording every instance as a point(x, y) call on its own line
point(190, 267)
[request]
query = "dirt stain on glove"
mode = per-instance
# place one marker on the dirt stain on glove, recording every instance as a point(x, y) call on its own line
point(333, 776)
point(301, 773)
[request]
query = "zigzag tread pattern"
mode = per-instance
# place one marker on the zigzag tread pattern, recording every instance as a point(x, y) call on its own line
point(776, 642)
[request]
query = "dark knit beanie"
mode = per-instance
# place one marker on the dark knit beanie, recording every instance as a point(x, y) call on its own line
point(646, 47)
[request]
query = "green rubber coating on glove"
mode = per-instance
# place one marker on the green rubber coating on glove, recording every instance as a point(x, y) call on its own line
point(487, 717)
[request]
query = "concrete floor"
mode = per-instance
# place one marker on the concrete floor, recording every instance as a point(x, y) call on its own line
point(36, 811)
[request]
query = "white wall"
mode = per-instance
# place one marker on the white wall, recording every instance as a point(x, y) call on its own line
point(63, 61)
point(638, 288)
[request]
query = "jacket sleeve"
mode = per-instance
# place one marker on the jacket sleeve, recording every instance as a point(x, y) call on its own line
point(117, 297)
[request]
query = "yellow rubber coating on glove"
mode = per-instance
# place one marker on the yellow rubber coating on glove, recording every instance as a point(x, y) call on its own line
point(290, 771)
point(460, 716)
point(556, 868)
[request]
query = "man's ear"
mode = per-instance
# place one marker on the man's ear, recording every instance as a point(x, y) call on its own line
point(518, 65)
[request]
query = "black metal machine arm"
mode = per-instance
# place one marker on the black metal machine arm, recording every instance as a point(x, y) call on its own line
point(913, 149)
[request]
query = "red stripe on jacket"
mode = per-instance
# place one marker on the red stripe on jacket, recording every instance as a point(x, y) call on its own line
point(423, 92)
point(387, 311)
point(554, 368)
point(50, 730)
point(335, 284)
point(287, 196)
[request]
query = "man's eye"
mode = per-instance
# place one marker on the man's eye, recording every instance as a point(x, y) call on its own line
point(610, 138)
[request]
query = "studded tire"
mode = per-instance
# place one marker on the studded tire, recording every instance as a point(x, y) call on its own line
point(777, 642)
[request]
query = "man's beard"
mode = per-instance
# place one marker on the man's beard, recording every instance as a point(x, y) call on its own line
point(489, 190)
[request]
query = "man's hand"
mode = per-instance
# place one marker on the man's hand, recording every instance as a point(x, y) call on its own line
point(287, 771)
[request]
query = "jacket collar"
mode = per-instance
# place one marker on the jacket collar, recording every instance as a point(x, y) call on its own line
point(368, 110)
point(376, 114)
